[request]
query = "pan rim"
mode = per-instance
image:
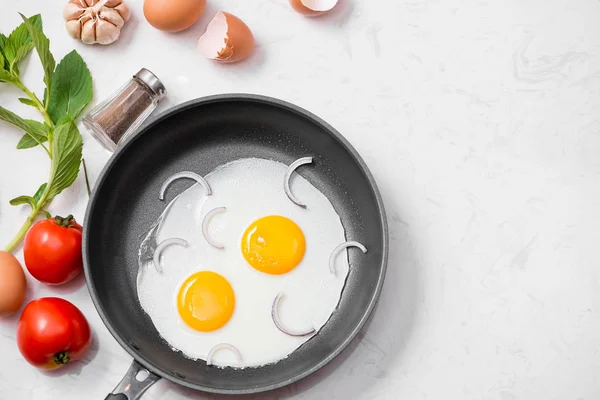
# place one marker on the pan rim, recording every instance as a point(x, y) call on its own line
point(215, 99)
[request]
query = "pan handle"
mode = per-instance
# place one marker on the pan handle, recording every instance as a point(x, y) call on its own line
point(130, 388)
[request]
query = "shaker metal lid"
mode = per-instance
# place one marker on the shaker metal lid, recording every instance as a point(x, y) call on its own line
point(151, 80)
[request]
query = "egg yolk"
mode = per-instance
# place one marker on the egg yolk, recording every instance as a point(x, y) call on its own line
point(273, 245)
point(205, 301)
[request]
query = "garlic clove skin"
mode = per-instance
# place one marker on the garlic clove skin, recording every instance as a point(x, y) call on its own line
point(124, 11)
point(83, 19)
point(113, 3)
point(72, 11)
point(88, 32)
point(111, 16)
point(106, 33)
point(95, 21)
point(74, 29)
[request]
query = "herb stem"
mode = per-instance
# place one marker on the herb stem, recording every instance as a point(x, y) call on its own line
point(37, 102)
point(45, 148)
point(17, 83)
point(31, 217)
point(26, 225)
point(42, 202)
point(87, 181)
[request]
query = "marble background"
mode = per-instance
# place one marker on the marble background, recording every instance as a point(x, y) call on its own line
point(480, 121)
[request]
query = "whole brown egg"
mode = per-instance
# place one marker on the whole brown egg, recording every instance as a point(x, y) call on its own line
point(173, 15)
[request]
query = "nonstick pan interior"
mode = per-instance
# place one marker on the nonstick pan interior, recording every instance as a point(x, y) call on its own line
point(198, 136)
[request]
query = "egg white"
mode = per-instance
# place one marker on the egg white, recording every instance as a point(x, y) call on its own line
point(250, 189)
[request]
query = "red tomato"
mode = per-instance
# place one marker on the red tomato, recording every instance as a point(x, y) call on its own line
point(52, 250)
point(52, 332)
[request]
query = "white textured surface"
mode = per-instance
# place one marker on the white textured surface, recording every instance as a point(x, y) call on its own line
point(479, 120)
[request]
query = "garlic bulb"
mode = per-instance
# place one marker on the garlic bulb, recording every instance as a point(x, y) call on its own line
point(95, 21)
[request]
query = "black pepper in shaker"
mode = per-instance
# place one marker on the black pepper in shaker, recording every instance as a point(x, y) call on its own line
point(113, 120)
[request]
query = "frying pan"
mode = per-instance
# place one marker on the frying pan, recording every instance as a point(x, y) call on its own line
point(198, 136)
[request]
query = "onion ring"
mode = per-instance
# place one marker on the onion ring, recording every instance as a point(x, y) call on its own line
point(279, 325)
point(161, 246)
point(341, 247)
point(222, 346)
point(205, 221)
point(181, 175)
point(288, 175)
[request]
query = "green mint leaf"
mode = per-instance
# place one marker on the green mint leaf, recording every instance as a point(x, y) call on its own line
point(19, 44)
point(32, 128)
point(42, 46)
point(71, 87)
point(27, 101)
point(20, 37)
point(6, 76)
point(13, 119)
point(66, 156)
point(17, 201)
point(21, 53)
point(38, 195)
point(32, 201)
point(3, 40)
point(36, 134)
point(26, 142)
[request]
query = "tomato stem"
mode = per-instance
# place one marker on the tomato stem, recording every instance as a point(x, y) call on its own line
point(62, 358)
point(64, 222)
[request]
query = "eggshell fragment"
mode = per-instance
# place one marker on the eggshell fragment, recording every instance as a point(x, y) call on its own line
point(173, 15)
point(312, 8)
point(227, 39)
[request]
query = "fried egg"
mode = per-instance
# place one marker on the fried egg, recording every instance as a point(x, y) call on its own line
point(206, 295)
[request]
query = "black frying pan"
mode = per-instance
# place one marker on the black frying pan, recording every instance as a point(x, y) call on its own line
point(198, 136)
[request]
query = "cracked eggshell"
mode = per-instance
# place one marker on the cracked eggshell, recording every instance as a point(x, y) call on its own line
point(227, 39)
point(173, 15)
point(312, 8)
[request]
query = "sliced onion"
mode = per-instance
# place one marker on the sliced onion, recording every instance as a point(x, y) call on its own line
point(181, 175)
point(341, 247)
point(288, 175)
point(221, 346)
point(163, 245)
point(205, 222)
point(279, 325)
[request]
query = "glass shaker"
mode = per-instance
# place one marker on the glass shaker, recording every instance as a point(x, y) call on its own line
point(113, 120)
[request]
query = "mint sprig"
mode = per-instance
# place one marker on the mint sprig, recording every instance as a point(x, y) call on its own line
point(68, 91)
point(71, 87)
point(19, 44)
